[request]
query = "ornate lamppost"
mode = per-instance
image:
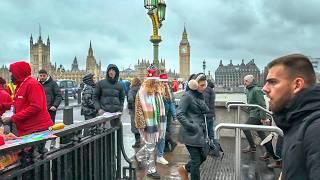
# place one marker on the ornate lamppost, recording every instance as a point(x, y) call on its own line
point(204, 66)
point(156, 11)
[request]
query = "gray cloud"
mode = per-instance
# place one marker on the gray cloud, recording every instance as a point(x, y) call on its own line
point(120, 30)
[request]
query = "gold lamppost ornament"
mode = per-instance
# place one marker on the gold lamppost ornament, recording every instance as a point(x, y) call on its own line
point(156, 11)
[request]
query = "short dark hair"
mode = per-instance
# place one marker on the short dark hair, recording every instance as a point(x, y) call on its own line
point(42, 71)
point(297, 65)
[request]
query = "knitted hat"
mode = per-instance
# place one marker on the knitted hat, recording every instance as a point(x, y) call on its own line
point(87, 77)
point(152, 72)
point(163, 77)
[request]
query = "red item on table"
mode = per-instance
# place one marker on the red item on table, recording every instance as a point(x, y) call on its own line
point(1, 140)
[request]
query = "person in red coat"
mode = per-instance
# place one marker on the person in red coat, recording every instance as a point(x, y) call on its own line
point(5, 99)
point(175, 85)
point(30, 108)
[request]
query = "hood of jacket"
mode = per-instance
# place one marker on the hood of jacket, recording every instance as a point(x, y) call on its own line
point(303, 104)
point(113, 66)
point(20, 70)
point(88, 80)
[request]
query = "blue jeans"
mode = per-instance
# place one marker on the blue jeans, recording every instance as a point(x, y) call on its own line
point(170, 109)
point(210, 122)
point(160, 147)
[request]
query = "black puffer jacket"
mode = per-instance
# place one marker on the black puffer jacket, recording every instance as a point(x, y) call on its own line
point(301, 159)
point(132, 96)
point(109, 93)
point(209, 98)
point(53, 93)
point(190, 114)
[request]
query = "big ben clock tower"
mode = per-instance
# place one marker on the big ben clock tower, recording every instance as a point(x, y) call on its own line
point(184, 56)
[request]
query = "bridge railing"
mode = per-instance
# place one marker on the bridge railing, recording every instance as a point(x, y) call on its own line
point(92, 149)
point(238, 127)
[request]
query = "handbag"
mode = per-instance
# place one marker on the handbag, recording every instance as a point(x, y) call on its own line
point(213, 145)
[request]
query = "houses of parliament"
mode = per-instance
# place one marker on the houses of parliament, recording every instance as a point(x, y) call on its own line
point(40, 59)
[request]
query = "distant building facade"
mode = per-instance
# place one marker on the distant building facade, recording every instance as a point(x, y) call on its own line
point(230, 75)
point(40, 59)
point(4, 73)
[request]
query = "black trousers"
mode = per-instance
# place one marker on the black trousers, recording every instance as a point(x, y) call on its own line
point(198, 156)
point(53, 115)
point(261, 134)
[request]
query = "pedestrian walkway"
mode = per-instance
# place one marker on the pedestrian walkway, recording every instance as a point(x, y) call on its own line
point(214, 168)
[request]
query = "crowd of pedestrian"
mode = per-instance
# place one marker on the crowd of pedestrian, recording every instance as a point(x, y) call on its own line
point(29, 105)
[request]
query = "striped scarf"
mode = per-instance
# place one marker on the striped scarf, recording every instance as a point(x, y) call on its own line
point(154, 113)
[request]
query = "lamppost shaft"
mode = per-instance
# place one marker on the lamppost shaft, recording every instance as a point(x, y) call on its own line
point(156, 12)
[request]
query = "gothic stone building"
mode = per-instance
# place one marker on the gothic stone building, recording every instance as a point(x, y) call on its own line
point(232, 75)
point(40, 59)
point(4, 73)
point(140, 69)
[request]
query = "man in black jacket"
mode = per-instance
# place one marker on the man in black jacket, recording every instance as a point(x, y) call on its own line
point(109, 93)
point(53, 93)
point(295, 100)
point(209, 98)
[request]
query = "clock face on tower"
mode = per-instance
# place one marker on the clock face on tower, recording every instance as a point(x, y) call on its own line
point(184, 49)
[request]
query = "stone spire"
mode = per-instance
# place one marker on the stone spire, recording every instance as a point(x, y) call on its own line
point(40, 38)
point(90, 53)
point(184, 39)
point(31, 40)
point(48, 41)
point(75, 66)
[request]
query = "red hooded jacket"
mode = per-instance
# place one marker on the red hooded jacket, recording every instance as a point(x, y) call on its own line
point(175, 85)
point(5, 101)
point(30, 106)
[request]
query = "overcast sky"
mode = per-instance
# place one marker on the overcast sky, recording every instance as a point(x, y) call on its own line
point(120, 30)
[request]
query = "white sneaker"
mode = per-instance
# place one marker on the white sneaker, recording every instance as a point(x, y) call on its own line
point(161, 160)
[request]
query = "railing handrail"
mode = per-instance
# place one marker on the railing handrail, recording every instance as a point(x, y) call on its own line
point(85, 124)
point(250, 105)
point(234, 102)
point(239, 127)
point(101, 133)
point(246, 127)
point(63, 132)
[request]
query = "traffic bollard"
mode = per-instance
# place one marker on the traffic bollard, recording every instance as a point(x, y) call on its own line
point(66, 98)
point(79, 96)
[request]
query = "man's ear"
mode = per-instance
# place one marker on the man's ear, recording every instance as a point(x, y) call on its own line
point(298, 84)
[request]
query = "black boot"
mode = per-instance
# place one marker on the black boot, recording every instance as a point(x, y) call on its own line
point(137, 143)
